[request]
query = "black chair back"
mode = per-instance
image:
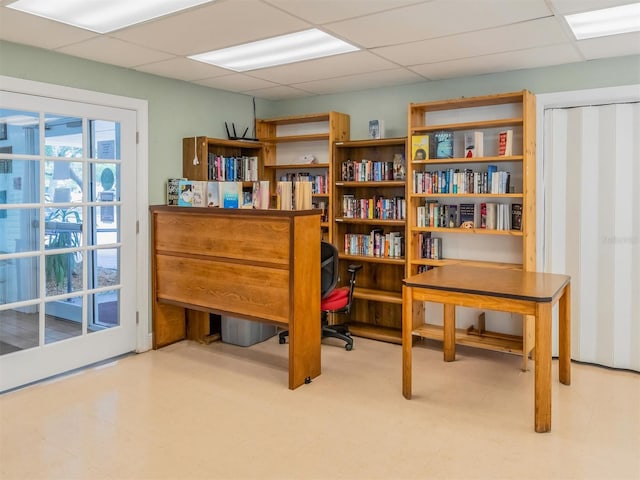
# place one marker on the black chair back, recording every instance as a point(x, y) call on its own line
point(328, 268)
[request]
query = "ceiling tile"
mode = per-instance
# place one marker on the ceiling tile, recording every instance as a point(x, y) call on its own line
point(216, 25)
point(333, 10)
point(435, 19)
point(235, 82)
point(534, 33)
point(183, 69)
point(501, 62)
point(116, 52)
point(19, 27)
point(328, 67)
point(363, 81)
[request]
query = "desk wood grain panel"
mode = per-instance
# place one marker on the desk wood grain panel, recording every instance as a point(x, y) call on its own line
point(244, 289)
point(263, 238)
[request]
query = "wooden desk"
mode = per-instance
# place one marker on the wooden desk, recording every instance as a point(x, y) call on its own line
point(528, 293)
point(261, 265)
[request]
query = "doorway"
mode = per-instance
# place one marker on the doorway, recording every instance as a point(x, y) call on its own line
point(67, 235)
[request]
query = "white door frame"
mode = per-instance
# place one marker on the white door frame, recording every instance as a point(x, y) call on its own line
point(17, 85)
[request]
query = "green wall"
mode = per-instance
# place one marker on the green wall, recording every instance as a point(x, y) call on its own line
point(179, 109)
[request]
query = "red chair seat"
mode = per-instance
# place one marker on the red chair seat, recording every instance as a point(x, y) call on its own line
point(337, 299)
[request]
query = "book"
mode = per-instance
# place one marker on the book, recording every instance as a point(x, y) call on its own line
point(505, 143)
point(467, 215)
point(441, 144)
point(302, 195)
point(230, 194)
point(191, 193)
point(419, 147)
point(284, 195)
point(213, 194)
point(261, 195)
point(492, 216)
point(516, 216)
point(173, 192)
point(473, 144)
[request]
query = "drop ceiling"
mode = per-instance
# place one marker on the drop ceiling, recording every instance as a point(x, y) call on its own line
point(401, 41)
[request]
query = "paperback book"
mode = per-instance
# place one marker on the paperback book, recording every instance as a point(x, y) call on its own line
point(505, 143)
point(473, 144)
point(419, 147)
point(441, 144)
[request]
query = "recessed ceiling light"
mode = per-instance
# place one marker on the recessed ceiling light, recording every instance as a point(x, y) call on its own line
point(294, 47)
point(102, 16)
point(608, 21)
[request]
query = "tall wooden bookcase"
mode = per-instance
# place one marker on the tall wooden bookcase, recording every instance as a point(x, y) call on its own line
point(195, 166)
point(489, 115)
point(290, 143)
point(365, 205)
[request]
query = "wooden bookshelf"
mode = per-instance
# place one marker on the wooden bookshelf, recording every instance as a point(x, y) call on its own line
point(377, 309)
point(507, 248)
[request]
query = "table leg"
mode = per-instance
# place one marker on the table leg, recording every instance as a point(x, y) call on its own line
point(564, 335)
point(542, 356)
point(407, 341)
point(449, 346)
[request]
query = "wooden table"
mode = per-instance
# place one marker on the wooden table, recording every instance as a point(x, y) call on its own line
point(527, 293)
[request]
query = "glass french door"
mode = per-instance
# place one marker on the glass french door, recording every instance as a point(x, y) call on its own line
point(67, 236)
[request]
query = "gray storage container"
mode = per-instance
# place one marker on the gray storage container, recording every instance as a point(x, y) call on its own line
point(245, 332)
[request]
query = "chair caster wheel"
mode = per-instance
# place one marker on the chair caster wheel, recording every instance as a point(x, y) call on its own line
point(282, 341)
point(348, 347)
point(307, 380)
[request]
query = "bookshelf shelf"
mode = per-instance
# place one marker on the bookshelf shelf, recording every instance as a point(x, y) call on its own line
point(486, 116)
point(377, 309)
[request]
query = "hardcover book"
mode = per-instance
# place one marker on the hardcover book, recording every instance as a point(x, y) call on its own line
point(230, 194)
point(213, 194)
point(473, 144)
point(516, 216)
point(192, 193)
point(467, 215)
point(173, 192)
point(261, 195)
point(441, 144)
point(419, 147)
point(505, 143)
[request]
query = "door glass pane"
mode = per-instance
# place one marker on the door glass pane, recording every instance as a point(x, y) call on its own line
point(105, 268)
point(105, 182)
point(19, 230)
point(19, 132)
point(106, 310)
point(63, 181)
point(63, 319)
point(19, 279)
point(63, 136)
point(105, 140)
point(107, 224)
point(18, 330)
point(63, 273)
point(19, 181)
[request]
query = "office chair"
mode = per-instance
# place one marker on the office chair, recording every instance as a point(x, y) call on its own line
point(333, 300)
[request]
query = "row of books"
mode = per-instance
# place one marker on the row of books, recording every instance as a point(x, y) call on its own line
point(375, 244)
point(430, 247)
point(439, 145)
point(489, 215)
point(378, 207)
point(456, 181)
point(182, 192)
point(374, 171)
point(318, 182)
point(232, 169)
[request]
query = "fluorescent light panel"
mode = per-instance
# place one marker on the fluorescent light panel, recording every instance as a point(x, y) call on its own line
point(608, 21)
point(290, 48)
point(102, 16)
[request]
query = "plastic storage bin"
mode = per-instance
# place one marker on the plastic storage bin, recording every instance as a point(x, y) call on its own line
point(245, 332)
